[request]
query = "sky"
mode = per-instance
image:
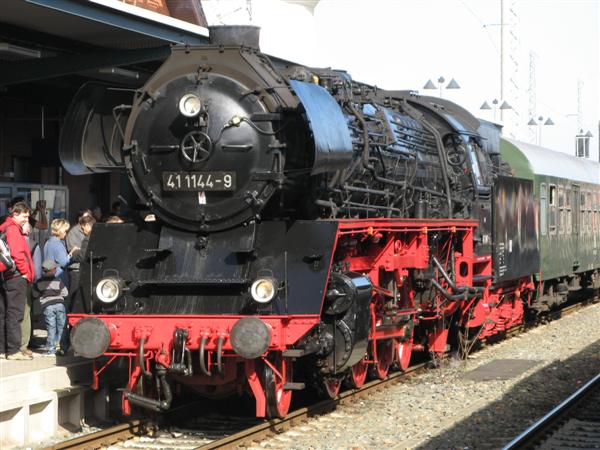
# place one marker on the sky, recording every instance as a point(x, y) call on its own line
point(400, 44)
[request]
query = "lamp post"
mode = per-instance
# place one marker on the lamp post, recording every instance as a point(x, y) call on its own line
point(539, 122)
point(503, 106)
point(441, 80)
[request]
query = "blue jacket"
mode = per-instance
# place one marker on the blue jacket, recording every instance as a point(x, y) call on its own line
point(56, 250)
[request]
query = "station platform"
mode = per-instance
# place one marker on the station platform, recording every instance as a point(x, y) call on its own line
point(43, 397)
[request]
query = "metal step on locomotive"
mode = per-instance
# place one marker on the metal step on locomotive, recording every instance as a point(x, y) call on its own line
point(310, 229)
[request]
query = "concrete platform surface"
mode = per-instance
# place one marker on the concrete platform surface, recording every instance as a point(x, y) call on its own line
point(39, 396)
point(9, 368)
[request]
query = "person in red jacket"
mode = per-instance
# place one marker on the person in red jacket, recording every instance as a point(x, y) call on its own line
point(14, 284)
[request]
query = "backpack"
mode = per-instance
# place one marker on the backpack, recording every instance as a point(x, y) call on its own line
point(6, 261)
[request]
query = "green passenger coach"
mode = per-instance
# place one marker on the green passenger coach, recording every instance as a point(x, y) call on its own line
point(567, 197)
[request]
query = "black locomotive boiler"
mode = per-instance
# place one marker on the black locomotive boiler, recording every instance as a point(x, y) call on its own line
point(295, 227)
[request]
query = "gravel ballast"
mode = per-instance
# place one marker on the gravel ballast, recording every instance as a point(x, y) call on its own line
point(443, 409)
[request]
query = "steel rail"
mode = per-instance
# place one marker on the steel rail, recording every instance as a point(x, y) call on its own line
point(102, 438)
point(552, 315)
point(274, 426)
point(121, 432)
point(531, 434)
point(132, 428)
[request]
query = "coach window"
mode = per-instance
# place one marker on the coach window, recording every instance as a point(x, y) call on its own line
point(543, 209)
point(589, 210)
point(583, 214)
point(569, 218)
point(593, 211)
point(561, 210)
point(585, 227)
point(552, 215)
point(597, 213)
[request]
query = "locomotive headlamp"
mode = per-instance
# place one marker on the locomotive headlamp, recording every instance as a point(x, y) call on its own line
point(108, 290)
point(263, 290)
point(189, 105)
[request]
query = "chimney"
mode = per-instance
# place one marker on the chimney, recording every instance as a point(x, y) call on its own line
point(235, 35)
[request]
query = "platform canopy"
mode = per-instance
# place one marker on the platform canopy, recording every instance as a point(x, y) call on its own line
point(99, 39)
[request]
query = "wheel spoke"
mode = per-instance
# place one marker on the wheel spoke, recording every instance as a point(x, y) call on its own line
point(403, 354)
point(332, 386)
point(385, 356)
point(278, 399)
point(358, 374)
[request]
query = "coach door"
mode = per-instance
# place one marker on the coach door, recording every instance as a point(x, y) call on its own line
point(575, 214)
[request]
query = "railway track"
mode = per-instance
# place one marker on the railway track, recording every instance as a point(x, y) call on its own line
point(275, 426)
point(103, 438)
point(228, 432)
point(213, 433)
point(573, 424)
point(554, 315)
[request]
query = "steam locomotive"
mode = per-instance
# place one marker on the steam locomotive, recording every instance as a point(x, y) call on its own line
point(297, 227)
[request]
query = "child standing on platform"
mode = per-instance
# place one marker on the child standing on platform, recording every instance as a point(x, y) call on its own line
point(51, 292)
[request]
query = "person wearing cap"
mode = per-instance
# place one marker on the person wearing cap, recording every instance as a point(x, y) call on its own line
point(52, 292)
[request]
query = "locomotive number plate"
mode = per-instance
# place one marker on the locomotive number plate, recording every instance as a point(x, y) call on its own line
point(198, 181)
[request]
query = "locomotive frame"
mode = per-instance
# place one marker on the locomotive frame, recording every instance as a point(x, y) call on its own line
point(380, 249)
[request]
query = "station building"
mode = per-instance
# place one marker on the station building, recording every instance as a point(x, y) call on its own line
point(48, 50)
